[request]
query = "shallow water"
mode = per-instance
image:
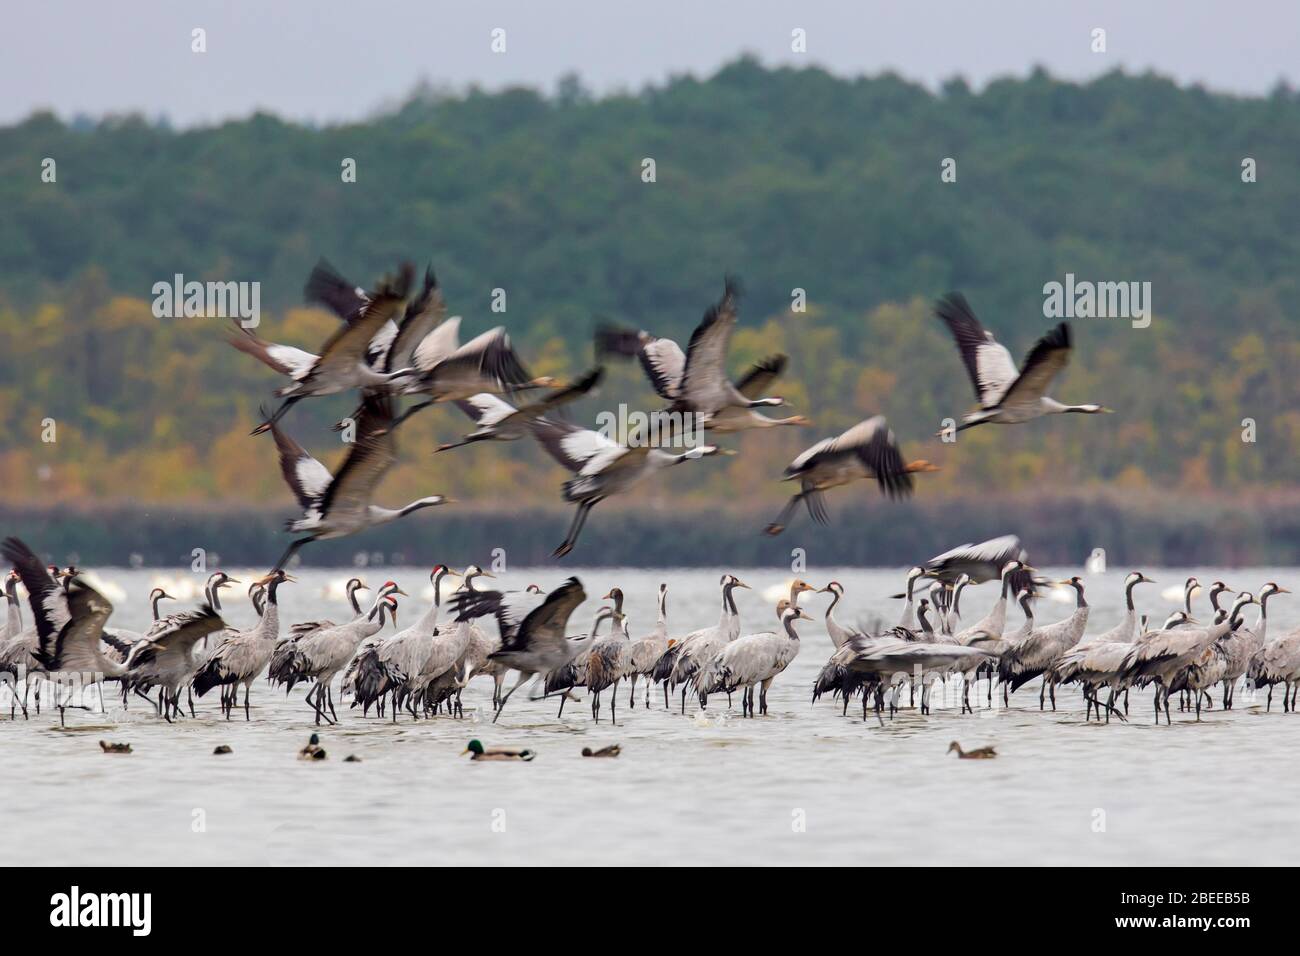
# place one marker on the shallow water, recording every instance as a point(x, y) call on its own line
point(802, 785)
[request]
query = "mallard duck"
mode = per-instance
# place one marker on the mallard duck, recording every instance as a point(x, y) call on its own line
point(613, 750)
point(313, 750)
point(223, 749)
point(979, 753)
point(496, 753)
point(108, 748)
point(352, 758)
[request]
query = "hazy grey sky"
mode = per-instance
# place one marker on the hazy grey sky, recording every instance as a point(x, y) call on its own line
point(327, 59)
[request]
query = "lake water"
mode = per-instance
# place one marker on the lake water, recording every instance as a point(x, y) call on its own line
point(802, 785)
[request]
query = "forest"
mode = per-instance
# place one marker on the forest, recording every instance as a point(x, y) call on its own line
point(826, 195)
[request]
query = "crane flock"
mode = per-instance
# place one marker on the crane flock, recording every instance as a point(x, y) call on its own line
point(393, 344)
point(421, 671)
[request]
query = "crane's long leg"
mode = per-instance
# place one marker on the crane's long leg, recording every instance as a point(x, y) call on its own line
point(575, 528)
point(290, 551)
point(246, 715)
point(309, 698)
point(278, 414)
point(408, 413)
point(329, 696)
point(523, 676)
point(777, 526)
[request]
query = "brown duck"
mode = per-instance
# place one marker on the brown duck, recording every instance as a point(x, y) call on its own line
point(979, 753)
point(613, 750)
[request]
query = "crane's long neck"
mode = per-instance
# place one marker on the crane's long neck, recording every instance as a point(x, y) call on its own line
point(429, 619)
point(158, 597)
point(370, 626)
point(1261, 622)
point(14, 612)
point(270, 623)
point(924, 619)
point(211, 591)
point(729, 611)
point(580, 644)
point(661, 626)
point(839, 636)
point(789, 627)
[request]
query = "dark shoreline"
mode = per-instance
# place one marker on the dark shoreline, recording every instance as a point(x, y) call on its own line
point(1061, 531)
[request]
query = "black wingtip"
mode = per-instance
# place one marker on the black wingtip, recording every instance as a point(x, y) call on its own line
point(953, 305)
point(616, 340)
point(397, 285)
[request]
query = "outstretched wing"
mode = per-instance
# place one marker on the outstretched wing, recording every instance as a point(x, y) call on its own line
point(285, 359)
point(662, 359)
point(488, 356)
point(760, 376)
point(351, 343)
point(306, 477)
point(508, 607)
point(423, 314)
point(706, 356)
point(326, 286)
point(562, 396)
point(69, 620)
point(177, 636)
point(1044, 362)
point(988, 363)
point(983, 561)
point(545, 624)
point(371, 455)
point(571, 446)
point(49, 602)
point(485, 408)
point(873, 444)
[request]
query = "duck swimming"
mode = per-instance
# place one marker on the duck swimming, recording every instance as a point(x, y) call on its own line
point(613, 750)
point(313, 750)
point(108, 748)
point(979, 753)
point(496, 753)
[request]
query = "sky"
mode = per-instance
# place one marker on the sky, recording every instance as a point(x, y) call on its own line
point(328, 60)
